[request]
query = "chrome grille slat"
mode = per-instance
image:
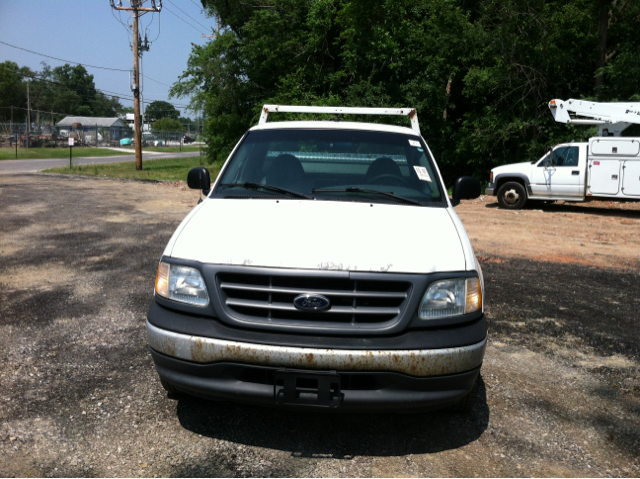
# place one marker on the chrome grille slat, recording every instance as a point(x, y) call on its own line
point(326, 292)
point(266, 299)
point(246, 303)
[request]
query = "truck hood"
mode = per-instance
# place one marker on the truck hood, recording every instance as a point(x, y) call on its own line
point(333, 235)
point(513, 168)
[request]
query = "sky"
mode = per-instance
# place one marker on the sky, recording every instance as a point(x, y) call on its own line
point(90, 32)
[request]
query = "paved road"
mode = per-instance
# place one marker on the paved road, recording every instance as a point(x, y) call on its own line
point(27, 166)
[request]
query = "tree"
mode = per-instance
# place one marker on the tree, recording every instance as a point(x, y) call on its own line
point(167, 124)
point(12, 92)
point(480, 72)
point(160, 109)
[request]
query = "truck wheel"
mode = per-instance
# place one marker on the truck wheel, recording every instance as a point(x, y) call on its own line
point(467, 402)
point(512, 196)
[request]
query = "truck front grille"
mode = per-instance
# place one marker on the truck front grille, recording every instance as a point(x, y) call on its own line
point(354, 303)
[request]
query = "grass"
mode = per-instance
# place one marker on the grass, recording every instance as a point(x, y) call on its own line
point(166, 149)
point(170, 169)
point(9, 153)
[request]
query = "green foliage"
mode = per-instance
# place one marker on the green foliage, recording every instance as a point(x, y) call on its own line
point(65, 90)
point(479, 72)
point(160, 109)
point(167, 124)
point(12, 92)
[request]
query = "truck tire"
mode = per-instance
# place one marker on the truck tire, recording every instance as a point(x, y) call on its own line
point(512, 196)
point(466, 404)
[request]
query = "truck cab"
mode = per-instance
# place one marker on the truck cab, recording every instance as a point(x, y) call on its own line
point(558, 175)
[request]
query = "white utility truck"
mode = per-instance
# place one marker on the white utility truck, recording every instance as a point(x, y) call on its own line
point(608, 166)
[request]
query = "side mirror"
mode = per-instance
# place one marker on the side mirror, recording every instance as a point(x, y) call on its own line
point(199, 179)
point(465, 188)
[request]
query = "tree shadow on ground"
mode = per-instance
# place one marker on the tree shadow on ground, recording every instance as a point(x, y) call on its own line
point(342, 436)
point(577, 208)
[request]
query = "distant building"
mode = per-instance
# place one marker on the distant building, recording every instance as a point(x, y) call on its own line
point(130, 119)
point(85, 126)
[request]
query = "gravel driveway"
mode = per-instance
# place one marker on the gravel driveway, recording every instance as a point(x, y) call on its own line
point(80, 397)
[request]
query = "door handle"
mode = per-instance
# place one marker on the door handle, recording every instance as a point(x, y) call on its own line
point(575, 172)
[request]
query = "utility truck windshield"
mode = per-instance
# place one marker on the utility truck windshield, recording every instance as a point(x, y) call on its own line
point(328, 164)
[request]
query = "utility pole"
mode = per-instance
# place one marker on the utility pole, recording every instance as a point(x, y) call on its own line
point(28, 115)
point(136, 10)
point(217, 30)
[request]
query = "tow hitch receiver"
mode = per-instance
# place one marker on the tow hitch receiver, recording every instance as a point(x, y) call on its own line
point(320, 389)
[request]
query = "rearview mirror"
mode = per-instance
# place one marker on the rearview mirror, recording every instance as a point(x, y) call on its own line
point(199, 179)
point(465, 188)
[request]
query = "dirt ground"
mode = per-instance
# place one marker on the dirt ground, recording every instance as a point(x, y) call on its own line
point(79, 395)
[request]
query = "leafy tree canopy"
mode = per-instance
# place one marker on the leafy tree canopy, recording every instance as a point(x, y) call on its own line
point(167, 124)
point(160, 109)
point(63, 90)
point(480, 72)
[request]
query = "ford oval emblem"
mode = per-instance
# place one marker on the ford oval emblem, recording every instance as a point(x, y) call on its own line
point(312, 302)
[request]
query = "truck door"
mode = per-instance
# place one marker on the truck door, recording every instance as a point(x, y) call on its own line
point(560, 175)
point(631, 178)
point(604, 177)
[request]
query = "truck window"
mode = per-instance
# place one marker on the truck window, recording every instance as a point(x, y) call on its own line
point(304, 160)
point(563, 156)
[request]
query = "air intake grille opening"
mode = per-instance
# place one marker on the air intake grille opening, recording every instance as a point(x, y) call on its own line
point(269, 298)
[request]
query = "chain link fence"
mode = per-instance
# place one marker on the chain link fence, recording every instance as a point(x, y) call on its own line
point(50, 136)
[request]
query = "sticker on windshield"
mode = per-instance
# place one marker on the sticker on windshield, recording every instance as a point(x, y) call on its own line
point(422, 173)
point(414, 143)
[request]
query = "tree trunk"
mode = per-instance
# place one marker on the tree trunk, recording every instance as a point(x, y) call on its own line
point(603, 30)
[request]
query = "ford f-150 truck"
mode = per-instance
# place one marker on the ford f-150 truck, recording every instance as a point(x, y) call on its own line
point(326, 267)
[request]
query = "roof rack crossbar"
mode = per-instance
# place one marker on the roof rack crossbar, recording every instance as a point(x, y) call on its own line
point(410, 112)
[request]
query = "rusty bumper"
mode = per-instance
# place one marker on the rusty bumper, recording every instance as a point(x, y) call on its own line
point(421, 362)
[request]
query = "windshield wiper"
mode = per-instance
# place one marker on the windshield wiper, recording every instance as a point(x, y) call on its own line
point(257, 186)
point(365, 190)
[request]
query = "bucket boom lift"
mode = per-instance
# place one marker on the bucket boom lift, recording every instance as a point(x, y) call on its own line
point(612, 118)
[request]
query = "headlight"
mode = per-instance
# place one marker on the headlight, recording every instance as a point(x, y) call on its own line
point(451, 297)
point(181, 283)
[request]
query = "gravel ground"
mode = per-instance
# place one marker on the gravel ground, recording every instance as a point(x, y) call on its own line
point(80, 397)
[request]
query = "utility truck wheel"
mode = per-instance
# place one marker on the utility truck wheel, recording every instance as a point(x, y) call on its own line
point(512, 196)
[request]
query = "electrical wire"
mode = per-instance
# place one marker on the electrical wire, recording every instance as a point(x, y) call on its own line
point(177, 16)
point(119, 20)
point(123, 96)
point(78, 63)
point(199, 6)
point(61, 60)
point(187, 14)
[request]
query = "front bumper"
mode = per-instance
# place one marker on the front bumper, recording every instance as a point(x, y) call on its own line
point(371, 379)
point(490, 190)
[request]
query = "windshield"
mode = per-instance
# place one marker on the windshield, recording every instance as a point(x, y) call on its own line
point(352, 165)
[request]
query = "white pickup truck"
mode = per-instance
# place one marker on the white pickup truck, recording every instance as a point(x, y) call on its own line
point(605, 167)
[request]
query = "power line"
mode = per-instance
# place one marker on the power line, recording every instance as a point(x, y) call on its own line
point(119, 19)
point(83, 64)
point(177, 16)
point(187, 14)
point(199, 6)
point(61, 60)
point(105, 92)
